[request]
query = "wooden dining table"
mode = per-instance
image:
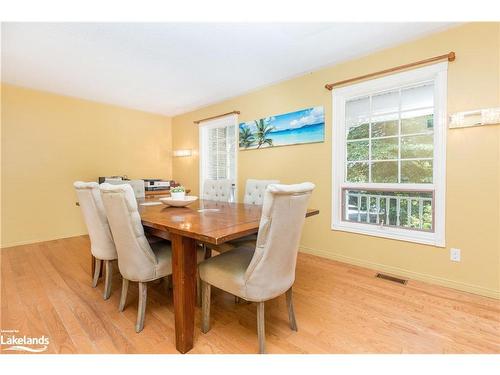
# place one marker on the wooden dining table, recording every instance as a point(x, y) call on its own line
point(210, 222)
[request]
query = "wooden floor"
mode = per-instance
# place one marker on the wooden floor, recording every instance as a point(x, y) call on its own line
point(46, 290)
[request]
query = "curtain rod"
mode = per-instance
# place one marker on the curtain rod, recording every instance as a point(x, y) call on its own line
point(214, 117)
point(449, 56)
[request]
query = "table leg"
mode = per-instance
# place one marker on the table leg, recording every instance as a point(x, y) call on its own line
point(184, 280)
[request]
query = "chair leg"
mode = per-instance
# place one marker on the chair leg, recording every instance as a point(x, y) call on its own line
point(205, 306)
point(238, 300)
point(141, 311)
point(291, 312)
point(97, 271)
point(166, 284)
point(123, 297)
point(208, 252)
point(261, 332)
point(170, 281)
point(198, 290)
point(107, 279)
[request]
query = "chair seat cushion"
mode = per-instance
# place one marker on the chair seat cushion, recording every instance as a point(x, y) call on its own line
point(227, 271)
point(163, 254)
point(152, 239)
point(247, 241)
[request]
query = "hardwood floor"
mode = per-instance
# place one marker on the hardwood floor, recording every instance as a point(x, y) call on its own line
point(340, 308)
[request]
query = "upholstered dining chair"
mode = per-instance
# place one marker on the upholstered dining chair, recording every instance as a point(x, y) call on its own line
point(137, 186)
point(138, 260)
point(217, 190)
point(102, 245)
point(268, 270)
point(255, 189)
point(254, 194)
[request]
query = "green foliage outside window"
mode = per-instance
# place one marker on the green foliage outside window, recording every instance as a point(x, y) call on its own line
point(412, 147)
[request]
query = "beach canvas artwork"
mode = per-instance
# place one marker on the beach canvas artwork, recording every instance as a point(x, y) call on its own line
point(303, 126)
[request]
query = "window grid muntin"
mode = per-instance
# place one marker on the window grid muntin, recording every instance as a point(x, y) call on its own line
point(370, 139)
point(400, 113)
point(399, 138)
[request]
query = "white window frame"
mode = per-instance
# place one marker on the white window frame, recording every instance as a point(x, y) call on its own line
point(220, 122)
point(436, 73)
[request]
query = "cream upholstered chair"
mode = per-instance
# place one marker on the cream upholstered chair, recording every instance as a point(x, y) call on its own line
point(138, 260)
point(263, 273)
point(102, 246)
point(217, 190)
point(137, 186)
point(255, 189)
point(254, 194)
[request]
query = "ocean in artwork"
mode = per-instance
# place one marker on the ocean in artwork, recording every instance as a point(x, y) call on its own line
point(299, 127)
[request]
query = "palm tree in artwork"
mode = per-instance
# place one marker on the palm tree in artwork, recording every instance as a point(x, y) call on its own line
point(263, 130)
point(246, 136)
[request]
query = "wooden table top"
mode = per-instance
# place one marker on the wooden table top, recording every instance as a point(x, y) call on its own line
point(207, 221)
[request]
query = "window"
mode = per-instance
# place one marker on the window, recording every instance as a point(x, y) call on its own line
point(218, 150)
point(389, 137)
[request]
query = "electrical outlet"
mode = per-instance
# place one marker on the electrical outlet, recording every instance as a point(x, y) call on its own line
point(455, 255)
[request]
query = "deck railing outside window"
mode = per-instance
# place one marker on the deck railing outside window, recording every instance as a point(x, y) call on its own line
point(411, 210)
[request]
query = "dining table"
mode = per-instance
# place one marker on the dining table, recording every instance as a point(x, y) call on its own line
point(202, 222)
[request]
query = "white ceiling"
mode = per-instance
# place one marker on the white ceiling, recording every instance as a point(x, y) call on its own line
point(171, 68)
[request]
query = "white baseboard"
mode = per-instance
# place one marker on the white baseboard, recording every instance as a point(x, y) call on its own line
point(471, 288)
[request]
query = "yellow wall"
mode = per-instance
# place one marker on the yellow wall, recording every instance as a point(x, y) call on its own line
point(50, 141)
point(473, 161)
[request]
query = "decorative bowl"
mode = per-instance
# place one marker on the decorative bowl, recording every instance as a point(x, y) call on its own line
point(178, 196)
point(188, 199)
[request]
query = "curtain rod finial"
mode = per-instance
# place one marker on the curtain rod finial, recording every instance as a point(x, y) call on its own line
point(451, 56)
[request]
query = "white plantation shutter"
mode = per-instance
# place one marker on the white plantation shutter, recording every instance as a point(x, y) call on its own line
point(218, 149)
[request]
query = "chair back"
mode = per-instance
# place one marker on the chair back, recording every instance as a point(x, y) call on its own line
point(217, 190)
point(271, 271)
point(255, 189)
point(94, 215)
point(137, 186)
point(136, 259)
